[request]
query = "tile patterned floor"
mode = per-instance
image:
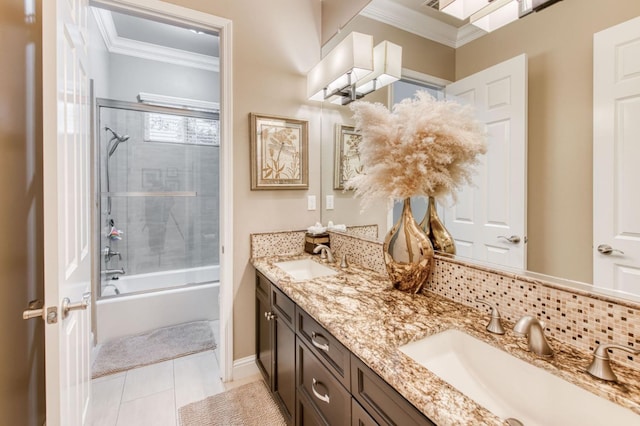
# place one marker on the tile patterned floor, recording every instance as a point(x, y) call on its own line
point(152, 395)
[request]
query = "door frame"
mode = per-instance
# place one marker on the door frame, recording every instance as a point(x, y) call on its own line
point(177, 14)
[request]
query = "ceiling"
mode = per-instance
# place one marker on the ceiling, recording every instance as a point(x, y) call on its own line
point(153, 32)
point(422, 17)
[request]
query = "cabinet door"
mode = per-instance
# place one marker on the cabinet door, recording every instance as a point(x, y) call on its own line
point(284, 374)
point(264, 345)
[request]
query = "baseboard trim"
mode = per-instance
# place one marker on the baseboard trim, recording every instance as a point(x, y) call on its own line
point(245, 367)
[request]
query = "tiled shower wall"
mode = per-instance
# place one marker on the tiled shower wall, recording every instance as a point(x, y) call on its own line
point(160, 233)
point(573, 317)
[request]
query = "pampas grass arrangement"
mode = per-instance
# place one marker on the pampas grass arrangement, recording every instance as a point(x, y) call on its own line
point(422, 147)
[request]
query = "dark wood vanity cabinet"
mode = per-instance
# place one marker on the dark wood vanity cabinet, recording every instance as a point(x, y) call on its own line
point(315, 379)
point(275, 343)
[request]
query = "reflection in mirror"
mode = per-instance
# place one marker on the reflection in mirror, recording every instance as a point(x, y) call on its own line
point(558, 42)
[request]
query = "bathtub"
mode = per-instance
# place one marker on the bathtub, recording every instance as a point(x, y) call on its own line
point(150, 301)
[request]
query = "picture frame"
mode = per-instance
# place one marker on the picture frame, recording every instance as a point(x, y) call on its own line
point(347, 155)
point(279, 152)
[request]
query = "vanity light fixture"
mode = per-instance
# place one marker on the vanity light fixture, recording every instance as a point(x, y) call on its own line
point(175, 102)
point(387, 68)
point(354, 68)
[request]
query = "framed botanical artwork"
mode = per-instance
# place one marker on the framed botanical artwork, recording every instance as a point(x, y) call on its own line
point(279, 152)
point(347, 155)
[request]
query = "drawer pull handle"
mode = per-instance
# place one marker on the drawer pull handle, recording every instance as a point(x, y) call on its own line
point(323, 398)
point(321, 346)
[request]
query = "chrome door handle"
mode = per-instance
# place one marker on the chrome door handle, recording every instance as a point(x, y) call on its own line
point(321, 346)
point(323, 398)
point(512, 239)
point(36, 309)
point(67, 306)
point(607, 249)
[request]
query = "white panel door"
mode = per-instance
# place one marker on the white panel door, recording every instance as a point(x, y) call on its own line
point(66, 171)
point(616, 157)
point(488, 221)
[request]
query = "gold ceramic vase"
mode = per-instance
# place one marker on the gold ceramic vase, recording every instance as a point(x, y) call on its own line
point(441, 239)
point(408, 253)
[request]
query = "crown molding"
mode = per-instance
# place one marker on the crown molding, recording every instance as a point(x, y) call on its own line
point(404, 18)
point(139, 49)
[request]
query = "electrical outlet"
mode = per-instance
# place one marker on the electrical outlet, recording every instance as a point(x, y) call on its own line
point(329, 202)
point(311, 202)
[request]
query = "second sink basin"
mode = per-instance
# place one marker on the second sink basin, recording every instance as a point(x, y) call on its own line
point(510, 387)
point(305, 269)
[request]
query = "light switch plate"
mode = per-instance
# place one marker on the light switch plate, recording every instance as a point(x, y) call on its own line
point(311, 202)
point(329, 202)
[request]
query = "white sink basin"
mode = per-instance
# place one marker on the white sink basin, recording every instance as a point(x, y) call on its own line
point(510, 387)
point(305, 269)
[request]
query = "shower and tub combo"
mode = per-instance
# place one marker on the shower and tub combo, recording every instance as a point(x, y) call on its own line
point(158, 179)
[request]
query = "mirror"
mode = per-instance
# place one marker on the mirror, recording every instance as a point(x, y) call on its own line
point(558, 42)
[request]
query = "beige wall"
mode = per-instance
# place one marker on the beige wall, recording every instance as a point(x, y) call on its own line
point(559, 45)
point(275, 43)
point(21, 342)
point(337, 13)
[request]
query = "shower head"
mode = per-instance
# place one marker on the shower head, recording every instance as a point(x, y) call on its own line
point(119, 139)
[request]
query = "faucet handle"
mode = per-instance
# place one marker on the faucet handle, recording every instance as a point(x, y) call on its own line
point(600, 366)
point(495, 325)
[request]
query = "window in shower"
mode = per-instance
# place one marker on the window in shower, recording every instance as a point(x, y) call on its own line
point(190, 130)
point(161, 183)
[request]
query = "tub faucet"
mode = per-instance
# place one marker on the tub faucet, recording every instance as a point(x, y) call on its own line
point(532, 328)
point(325, 253)
point(600, 366)
point(113, 272)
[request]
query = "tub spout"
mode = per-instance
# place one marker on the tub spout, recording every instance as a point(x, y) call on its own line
point(109, 272)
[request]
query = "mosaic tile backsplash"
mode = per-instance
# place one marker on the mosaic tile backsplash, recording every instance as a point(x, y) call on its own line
point(573, 317)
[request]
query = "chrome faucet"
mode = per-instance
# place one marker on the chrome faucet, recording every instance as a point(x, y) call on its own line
point(113, 271)
point(494, 326)
point(325, 253)
point(600, 366)
point(532, 328)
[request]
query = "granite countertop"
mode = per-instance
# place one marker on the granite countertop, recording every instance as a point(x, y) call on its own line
point(365, 313)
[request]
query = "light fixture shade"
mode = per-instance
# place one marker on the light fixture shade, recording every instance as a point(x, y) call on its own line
point(353, 55)
point(387, 68)
point(496, 15)
point(462, 9)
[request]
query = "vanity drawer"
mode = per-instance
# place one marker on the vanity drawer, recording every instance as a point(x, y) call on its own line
point(383, 403)
point(318, 385)
point(330, 352)
point(284, 306)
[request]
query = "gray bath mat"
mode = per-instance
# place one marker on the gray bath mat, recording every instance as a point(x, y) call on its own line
point(247, 405)
point(125, 353)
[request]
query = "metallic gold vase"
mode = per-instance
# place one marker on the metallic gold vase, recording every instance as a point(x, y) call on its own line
point(408, 253)
point(441, 239)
